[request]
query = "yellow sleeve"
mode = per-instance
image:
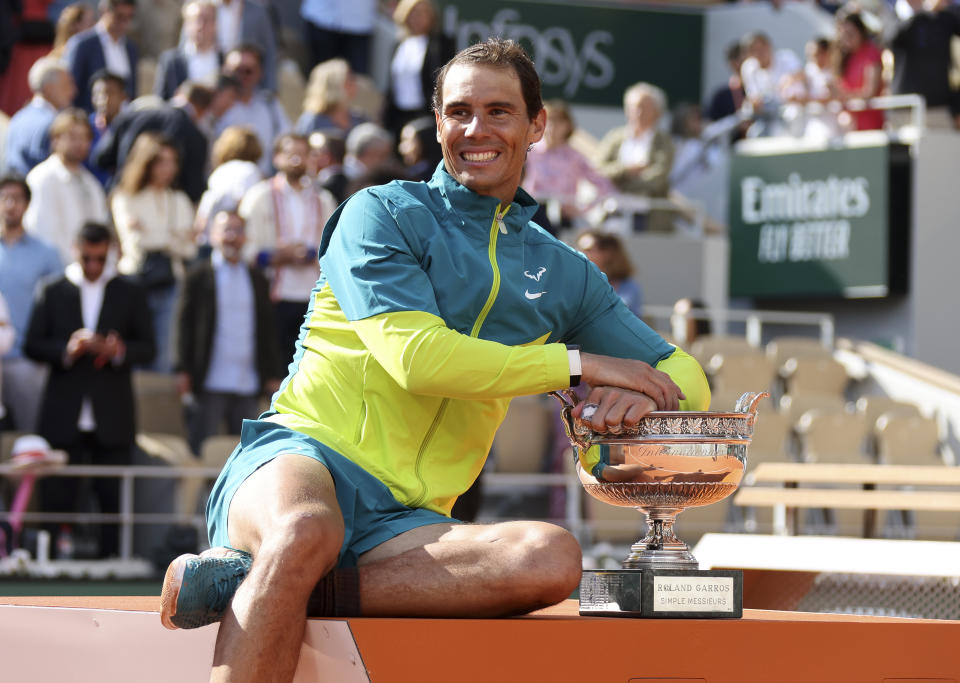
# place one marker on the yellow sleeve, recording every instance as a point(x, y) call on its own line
point(688, 375)
point(424, 356)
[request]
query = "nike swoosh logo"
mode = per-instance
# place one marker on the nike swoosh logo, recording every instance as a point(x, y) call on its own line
point(533, 295)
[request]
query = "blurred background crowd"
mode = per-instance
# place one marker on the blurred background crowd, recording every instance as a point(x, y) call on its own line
point(198, 148)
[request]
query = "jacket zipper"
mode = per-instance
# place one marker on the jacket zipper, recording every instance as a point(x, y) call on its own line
point(496, 227)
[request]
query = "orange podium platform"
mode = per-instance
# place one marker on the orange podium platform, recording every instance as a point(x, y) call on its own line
point(120, 639)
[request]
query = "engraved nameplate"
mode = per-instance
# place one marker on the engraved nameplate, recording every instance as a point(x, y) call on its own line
point(616, 592)
point(693, 594)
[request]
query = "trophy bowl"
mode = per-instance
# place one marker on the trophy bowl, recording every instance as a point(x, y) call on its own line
point(670, 461)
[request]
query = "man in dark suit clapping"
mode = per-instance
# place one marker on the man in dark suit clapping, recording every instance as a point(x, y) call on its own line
point(90, 326)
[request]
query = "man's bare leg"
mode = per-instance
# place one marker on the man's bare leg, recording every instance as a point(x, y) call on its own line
point(294, 530)
point(467, 570)
point(286, 516)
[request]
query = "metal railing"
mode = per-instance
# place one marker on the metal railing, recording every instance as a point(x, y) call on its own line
point(126, 518)
point(754, 321)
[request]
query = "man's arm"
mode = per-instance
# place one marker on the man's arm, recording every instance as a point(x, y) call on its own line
point(424, 356)
point(389, 299)
point(184, 323)
point(107, 149)
point(40, 343)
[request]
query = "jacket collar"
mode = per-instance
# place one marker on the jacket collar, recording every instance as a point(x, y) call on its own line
point(477, 211)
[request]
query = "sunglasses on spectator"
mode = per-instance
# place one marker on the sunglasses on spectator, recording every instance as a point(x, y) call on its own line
point(93, 259)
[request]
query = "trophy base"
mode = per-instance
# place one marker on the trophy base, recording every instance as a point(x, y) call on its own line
point(662, 593)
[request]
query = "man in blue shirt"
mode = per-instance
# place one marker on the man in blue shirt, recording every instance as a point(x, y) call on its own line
point(225, 350)
point(28, 141)
point(24, 262)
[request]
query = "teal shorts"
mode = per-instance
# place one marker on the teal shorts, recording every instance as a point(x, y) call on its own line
point(371, 515)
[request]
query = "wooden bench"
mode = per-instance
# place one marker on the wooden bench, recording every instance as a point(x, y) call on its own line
point(866, 497)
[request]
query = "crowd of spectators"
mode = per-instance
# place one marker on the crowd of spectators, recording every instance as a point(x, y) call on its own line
point(206, 196)
point(896, 48)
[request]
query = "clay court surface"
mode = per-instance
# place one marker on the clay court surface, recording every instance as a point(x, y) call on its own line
point(106, 639)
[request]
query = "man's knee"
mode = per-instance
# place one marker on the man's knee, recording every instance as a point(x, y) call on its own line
point(308, 542)
point(550, 557)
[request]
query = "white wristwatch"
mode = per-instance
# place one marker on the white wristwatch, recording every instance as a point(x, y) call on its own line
point(576, 370)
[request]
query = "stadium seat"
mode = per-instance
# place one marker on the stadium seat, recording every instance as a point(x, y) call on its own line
point(832, 437)
point(771, 440)
point(904, 439)
point(795, 406)
point(908, 440)
point(159, 408)
point(521, 442)
point(782, 348)
point(707, 346)
point(814, 375)
point(735, 372)
point(872, 407)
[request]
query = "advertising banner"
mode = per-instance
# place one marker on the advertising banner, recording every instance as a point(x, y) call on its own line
point(590, 54)
point(821, 223)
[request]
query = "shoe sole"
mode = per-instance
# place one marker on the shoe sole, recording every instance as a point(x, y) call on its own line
point(172, 581)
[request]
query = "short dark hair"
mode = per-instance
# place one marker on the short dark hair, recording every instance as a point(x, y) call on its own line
point(503, 54)
point(110, 5)
point(252, 48)
point(823, 43)
point(198, 95)
point(333, 142)
point(296, 137)
point(109, 77)
point(14, 179)
point(92, 232)
point(734, 51)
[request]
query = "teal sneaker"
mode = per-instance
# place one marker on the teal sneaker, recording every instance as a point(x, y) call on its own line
point(198, 588)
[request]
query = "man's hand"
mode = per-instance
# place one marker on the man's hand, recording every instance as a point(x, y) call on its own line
point(81, 341)
point(184, 384)
point(634, 375)
point(111, 347)
point(616, 408)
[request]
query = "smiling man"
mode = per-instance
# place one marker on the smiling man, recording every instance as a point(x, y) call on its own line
point(438, 302)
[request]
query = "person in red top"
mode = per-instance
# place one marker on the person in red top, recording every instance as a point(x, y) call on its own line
point(859, 76)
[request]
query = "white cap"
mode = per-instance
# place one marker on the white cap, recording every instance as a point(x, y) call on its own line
point(33, 452)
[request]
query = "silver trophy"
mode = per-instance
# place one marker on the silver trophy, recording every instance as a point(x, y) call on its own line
point(670, 461)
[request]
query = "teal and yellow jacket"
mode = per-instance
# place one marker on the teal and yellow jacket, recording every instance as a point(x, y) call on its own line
point(435, 307)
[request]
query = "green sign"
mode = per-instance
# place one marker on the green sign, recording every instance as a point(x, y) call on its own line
point(821, 223)
point(591, 54)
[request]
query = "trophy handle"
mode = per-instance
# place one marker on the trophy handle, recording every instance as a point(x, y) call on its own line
point(568, 401)
point(748, 403)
